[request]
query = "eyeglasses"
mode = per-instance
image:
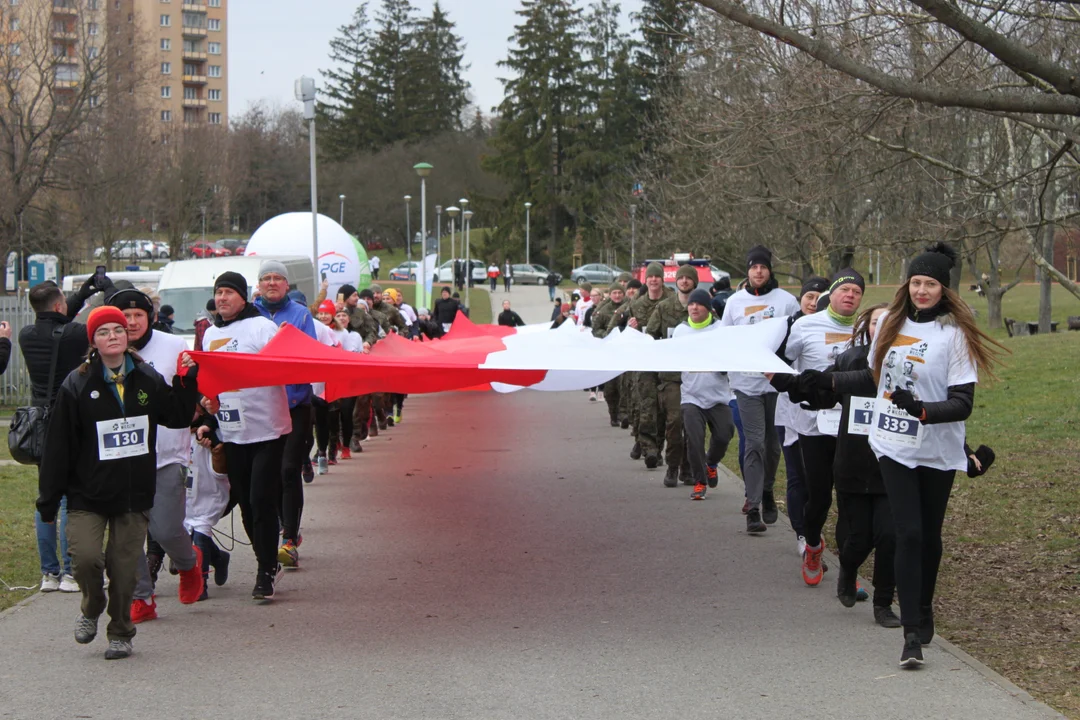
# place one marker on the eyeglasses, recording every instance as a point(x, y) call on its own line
point(107, 332)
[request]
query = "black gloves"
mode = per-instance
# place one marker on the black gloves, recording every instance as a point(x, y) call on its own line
point(986, 459)
point(904, 400)
point(816, 380)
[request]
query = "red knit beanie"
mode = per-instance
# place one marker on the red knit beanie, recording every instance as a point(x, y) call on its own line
point(103, 316)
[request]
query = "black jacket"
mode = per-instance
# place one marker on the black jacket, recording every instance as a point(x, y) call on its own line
point(510, 319)
point(36, 343)
point(446, 310)
point(71, 466)
point(5, 354)
point(551, 280)
point(855, 469)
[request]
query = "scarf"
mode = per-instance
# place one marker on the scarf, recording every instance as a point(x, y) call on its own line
point(703, 324)
point(840, 319)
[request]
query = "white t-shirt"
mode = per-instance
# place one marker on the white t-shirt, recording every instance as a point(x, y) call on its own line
point(926, 358)
point(704, 389)
point(207, 491)
point(814, 343)
point(349, 340)
point(250, 415)
point(324, 335)
point(374, 262)
point(408, 313)
point(742, 308)
point(161, 353)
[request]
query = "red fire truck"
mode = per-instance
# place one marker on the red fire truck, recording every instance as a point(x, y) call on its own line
point(707, 273)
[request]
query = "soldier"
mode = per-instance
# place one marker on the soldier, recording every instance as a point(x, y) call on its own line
point(637, 316)
point(601, 326)
point(626, 380)
point(669, 314)
point(391, 312)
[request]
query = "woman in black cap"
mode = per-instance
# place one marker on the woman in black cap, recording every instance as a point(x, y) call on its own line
point(918, 434)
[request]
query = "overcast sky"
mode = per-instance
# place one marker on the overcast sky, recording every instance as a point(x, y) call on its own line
point(273, 42)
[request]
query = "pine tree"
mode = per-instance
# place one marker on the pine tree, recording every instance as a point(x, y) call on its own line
point(437, 88)
point(388, 82)
point(538, 117)
point(666, 27)
point(347, 107)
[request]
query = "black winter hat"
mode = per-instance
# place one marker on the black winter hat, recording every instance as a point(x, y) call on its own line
point(132, 300)
point(701, 297)
point(814, 283)
point(347, 290)
point(937, 263)
point(233, 281)
point(759, 255)
point(166, 311)
point(846, 276)
point(211, 306)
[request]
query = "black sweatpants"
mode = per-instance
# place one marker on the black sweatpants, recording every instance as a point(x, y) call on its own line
point(292, 459)
point(255, 485)
point(818, 453)
point(918, 498)
point(864, 525)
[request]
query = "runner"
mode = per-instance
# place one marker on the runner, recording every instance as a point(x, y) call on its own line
point(704, 398)
point(761, 300)
point(918, 435)
point(601, 322)
point(321, 409)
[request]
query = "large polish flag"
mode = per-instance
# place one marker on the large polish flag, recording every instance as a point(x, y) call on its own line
point(472, 357)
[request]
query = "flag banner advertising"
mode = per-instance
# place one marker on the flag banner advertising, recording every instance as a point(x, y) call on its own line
point(488, 357)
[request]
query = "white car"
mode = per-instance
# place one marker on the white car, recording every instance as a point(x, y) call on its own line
point(135, 250)
point(717, 273)
point(446, 272)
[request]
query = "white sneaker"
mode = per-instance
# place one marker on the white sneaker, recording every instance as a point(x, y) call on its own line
point(68, 584)
point(801, 544)
point(600, 397)
point(592, 397)
point(50, 583)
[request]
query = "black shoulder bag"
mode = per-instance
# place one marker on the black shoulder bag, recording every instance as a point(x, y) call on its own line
point(29, 425)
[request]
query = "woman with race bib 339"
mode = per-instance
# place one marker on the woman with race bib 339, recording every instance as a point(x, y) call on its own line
point(924, 363)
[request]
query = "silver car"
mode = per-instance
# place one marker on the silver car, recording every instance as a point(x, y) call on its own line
point(596, 273)
point(531, 274)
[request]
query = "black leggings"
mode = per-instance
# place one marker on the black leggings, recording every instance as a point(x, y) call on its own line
point(341, 422)
point(864, 524)
point(255, 485)
point(918, 498)
point(292, 460)
point(322, 424)
point(818, 453)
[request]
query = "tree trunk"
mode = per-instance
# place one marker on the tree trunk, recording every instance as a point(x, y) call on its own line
point(1046, 282)
point(993, 307)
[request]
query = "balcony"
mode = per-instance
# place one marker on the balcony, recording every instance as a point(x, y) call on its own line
point(64, 33)
point(194, 102)
point(192, 54)
point(198, 31)
point(65, 9)
point(195, 7)
point(194, 79)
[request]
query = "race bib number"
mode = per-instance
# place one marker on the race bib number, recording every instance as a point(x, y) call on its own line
point(123, 437)
point(860, 416)
point(895, 427)
point(828, 421)
point(189, 483)
point(230, 415)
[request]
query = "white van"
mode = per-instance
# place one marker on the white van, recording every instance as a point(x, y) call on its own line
point(188, 284)
point(139, 279)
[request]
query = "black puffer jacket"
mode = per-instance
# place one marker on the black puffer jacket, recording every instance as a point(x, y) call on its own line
point(72, 466)
point(855, 468)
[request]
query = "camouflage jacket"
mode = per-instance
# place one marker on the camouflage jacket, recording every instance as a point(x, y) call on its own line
point(641, 308)
point(360, 321)
point(601, 317)
point(669, 314)
point(394, 316)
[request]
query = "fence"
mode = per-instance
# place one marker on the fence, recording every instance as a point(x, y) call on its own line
point(15, 382)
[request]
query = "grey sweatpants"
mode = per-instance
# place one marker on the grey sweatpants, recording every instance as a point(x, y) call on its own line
point(167, 526)
point(694, 420)
point(762, 456)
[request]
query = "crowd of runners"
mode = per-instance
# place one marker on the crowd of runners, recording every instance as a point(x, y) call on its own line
point(876, 411)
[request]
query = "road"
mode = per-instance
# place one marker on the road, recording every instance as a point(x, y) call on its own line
point(500, 556)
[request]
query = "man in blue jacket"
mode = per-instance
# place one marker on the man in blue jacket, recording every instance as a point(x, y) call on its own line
point(274, 303)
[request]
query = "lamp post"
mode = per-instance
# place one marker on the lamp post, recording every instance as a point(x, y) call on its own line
point(527, 206)
point(453, 213)
point(202, 209)
point(468, 254)
point(633, 234)
point(438, 235)
point(341, 217)
point(304, 90)
point(408, 230)
point(423, 170)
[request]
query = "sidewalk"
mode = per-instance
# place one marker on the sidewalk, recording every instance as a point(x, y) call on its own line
point(510, 563)
point(528, 301)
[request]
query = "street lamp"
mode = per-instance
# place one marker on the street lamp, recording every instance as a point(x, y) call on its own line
point(527, 206)
point(341, 221)
point(453, 213)
point(423, 170)
point(633, 212)
point(438, 235)
point(202, 209)
point(304, 90)
point(468, 253)
point(408, 230)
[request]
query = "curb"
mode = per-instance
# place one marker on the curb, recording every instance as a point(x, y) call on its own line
point(986, 672)
point(19, 605)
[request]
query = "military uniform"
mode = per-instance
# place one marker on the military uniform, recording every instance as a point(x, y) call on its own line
point(601, 326)
point(669, 314)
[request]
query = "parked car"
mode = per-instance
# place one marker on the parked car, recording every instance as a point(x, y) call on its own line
point(596, 273)
point(233, 245)
point(717, 273)
point(531, 274)
point(405, 271)
point(446, 272)
point(207, 250)
point(127, 250)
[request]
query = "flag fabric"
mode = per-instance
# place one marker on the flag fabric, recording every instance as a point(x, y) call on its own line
point(474, 356)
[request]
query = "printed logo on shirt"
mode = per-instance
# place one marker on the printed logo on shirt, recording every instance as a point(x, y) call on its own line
point(753, 309)
point(833, 338)
point(230, 344)
point(143, 397)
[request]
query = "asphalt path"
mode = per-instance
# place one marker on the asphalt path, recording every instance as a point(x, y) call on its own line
point(529, 301)
point(500, 556)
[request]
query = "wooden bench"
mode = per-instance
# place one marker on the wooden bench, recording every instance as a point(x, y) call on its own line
point(1015, 328)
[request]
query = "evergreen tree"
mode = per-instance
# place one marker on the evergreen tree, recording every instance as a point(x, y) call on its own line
point(389, 79)
point(346, 109)
point(666, 27)
point(538, 117)
point(436, 87)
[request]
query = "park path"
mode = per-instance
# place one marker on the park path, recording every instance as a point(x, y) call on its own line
point(500, 556)
point(528, 301)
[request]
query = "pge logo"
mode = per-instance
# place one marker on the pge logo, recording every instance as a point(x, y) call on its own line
point(333, 263)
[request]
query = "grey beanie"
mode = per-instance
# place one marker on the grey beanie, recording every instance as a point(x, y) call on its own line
point(273, 266)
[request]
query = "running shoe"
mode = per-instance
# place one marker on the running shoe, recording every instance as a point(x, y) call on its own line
point(397, 419)
point(885, 617)
point(800, 545)
point(68, 584)
point(845, 587)
point(614, 422)
point(811, 565)
point(324, 466)
point(711, 475)
point(389, 421)
point(911, 657)
point(331, 461)
point(346, 453)
point(118, 650)
point(50, 583)
point(85, 629)
point(191, 581)
point(600, 396)
point(373, 429)
point(141, 611)
point(699, 492)
point(592, 397)
point(754, 525)
point(769, 511)
point(307, 472)
point(221, 568)
point(299, 539)
point(264, 584)
point(860, 593)
point(288, 555)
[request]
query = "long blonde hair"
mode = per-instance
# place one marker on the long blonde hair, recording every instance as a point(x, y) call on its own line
point(983, 350)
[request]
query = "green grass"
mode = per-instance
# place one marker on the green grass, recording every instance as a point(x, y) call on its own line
point(18, 541)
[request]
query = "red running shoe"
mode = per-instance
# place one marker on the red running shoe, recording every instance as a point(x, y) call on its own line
point(142, 611)
point(191, 581)
point(811, 565)
point(345, 453)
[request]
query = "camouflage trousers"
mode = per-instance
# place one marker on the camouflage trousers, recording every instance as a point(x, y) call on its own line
point(648, 412)
point(669, 396)
point(613, 396)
